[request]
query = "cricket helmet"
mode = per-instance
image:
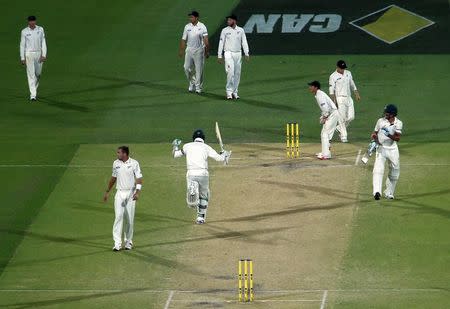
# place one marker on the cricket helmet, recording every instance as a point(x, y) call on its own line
point(198, 134)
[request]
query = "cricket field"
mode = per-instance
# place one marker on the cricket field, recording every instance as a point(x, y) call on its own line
point(312, 228)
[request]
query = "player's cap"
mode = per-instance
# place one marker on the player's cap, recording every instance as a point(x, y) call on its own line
point(194, 13)
point(31, 18)
point(341, 64)
point(314, 83)
point(198, 134)
point(232, 16)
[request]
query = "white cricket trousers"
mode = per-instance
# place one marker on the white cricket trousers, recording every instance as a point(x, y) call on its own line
point(393, 157)
point(204, 193)
point(346, 110)
point(124, 207)
point(194, 60)
point(233, 64)
point(328, 129)
point(34, 69)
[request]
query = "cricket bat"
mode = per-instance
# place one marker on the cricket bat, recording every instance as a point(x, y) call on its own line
point(219, 137)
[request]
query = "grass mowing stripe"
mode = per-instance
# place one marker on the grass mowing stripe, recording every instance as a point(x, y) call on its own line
point(25, 194)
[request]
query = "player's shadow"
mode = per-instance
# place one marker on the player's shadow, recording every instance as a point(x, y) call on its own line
point(63, 105)
point(139, 216)
point(229, 234)
point(255, 103)
point(57, 239)
point(287, 212)
point(70, 299)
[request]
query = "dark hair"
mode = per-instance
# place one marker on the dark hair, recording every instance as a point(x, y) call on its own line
point(124, 149)
point(315, 83)
point(31, 18)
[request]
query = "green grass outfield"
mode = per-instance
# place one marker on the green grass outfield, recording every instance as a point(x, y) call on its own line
point(114, 77)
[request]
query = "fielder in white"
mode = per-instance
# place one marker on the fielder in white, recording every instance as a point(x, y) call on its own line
point(194, 46)
point(33, 53)
point(329, 118)
point(341, 87)
point(197, 177)
point(232, 42)
point(387, 133)
point(127, 174)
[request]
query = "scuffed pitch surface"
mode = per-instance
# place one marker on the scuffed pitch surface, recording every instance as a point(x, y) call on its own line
point(291, 216)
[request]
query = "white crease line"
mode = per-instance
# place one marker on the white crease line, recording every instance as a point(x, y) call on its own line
point(358, 157)
point(324, 299)
point(169, 299)
point(224, 291)
point(255, 301)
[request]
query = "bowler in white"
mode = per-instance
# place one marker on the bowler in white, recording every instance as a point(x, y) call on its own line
point(231, 44)
point(194, 46)
point(329, 118)
point(386, 134)
point(127, 176)
point(341, 87)
point(33, 53)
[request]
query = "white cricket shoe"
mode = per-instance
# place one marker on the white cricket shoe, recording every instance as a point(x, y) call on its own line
point(191, 87)
point(236, 96)
point(320, 156)
point(116, 248)
point(388, 195)
point(128, 245)
point(229, 97)
point(344, 140)
point(200, 220)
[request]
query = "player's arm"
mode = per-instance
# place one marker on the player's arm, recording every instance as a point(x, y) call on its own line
point(393, 135)
point(22, 48)
point(206, 42)
point(245, 46)
point(182, 48)
point(176, 151)
point(332, 85)
point(354, 89)
point(374, 134)
point(220, 48)
point(43, 47)
point(183, 41)
point(111, 183)
point(222, 157)
point(138, 177)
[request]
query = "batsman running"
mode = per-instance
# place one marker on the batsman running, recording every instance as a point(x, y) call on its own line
point(386, 134)
point(197, 153)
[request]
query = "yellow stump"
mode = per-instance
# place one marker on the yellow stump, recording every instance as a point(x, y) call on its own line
point(287, 141)
point(297, 139)
point(292, 140)
point(245, 280)
point(251, 281)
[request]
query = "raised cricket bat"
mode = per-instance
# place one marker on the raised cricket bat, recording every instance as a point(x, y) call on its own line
point(219, 136)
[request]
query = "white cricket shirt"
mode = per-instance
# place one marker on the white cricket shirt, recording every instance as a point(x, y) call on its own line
point(326, 105)
point(342, 85)
point(32, 40)
point(385, 141)
point(233, 40)
point(197, 154)
point(194, 34)
point(126, 173)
